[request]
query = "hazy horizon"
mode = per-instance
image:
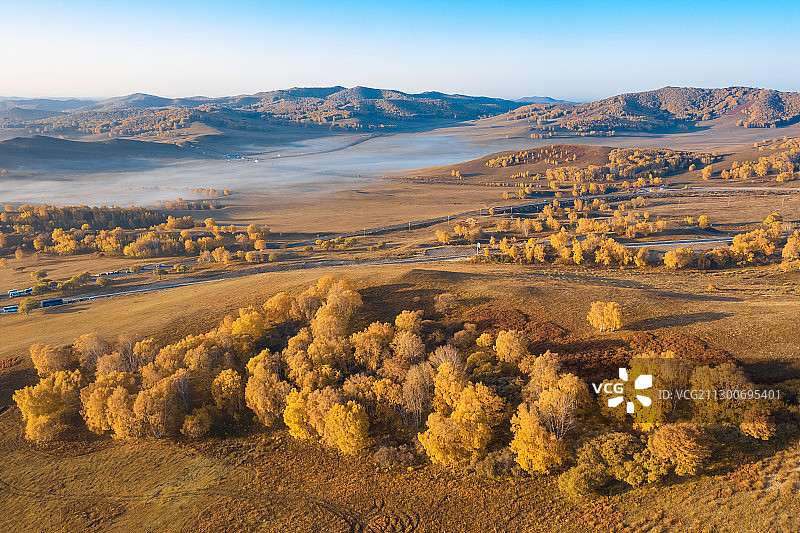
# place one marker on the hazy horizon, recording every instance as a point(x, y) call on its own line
point(513, 98)
point(578, 51)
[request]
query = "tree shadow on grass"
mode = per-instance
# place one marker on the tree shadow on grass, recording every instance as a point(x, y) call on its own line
point(698, 297)
point(771, 371)
point(676, 320)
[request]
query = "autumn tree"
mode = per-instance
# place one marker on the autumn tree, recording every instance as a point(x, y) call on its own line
point(682, 446)
point(610, 457)
point(162, 408)
point(295, 415)
point(410, 321)
point(448, 354)
point(265, 393)
point(418, 392)
point(724, 377)
point(464, 422)
point(407, 349)
point(596, 315)
point(511, 346)
point(347, 428)
point(48, 359)
point(668, 372)
point(559, 404)
point(227, 389)
point(282, 308)
point(28, 304)
point(758, 423)
point(605, 316)
point(371, 345)
point(47, 406)
point(485, 340)
point(90, 347)
point(129, 355)
point(543, 372)
point(679, 258)
point(95, 398)
point(197, 424)
point(536, 449)
point(121, 418)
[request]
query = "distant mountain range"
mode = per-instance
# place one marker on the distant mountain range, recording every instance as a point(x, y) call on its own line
point(541, 100)
point(350, 108)
point(360, 108)
point(45, 104)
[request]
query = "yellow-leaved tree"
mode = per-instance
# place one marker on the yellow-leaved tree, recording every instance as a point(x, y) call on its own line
point(227, 389)
point(536, 449)
point(605, 316)
point(347, 428)
point(511, 346)
point(464, 421)
point(46, 405)
point(265, 393)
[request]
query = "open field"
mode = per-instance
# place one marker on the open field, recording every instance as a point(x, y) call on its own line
point(260, 481)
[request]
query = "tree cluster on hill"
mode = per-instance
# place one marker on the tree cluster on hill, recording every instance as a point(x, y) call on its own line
point(783, 164)
point(552, 155)
point(405, 389)
point(631, 167)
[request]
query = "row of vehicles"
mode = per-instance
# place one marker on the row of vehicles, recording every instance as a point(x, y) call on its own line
point(51, 302)
point(13, 293)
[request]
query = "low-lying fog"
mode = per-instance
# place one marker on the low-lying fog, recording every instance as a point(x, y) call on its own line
point(315, 165)
point(319, 165)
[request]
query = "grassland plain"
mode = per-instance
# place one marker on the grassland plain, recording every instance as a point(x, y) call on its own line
point(267, 481)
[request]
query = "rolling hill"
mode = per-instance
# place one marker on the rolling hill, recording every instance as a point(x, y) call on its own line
point(668, 108)
point(365, 108)
point(352, 108)
point(21, 153)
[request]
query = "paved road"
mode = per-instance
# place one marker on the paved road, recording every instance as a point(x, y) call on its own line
point(457, 254)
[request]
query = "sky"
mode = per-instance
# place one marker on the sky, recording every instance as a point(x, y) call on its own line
point(573, 50)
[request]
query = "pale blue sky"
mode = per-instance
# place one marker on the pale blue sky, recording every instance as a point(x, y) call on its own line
point(577, 50)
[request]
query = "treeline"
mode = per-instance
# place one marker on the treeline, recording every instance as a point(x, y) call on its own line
point(552, 155)
point(637, 167)
point(405, 391)
point(623, 221)
point(29, 218)
point(173, 236)
point(782, 164)
point(759, 246)
point(120, 122)
point(179, 204)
